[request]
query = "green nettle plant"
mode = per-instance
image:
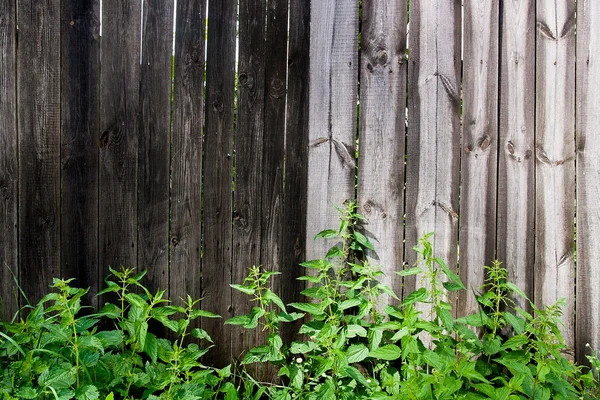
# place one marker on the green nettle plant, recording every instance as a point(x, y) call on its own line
point(349, 345)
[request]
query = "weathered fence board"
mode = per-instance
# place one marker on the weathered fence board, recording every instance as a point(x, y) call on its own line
point(119, 130)
point(80, 70)
point(249, 174)
point(588, 177)
point(516, 187)
point(186, 159)
point(332, 116)
point(382, 133)
point(38, 118)
point(154, 142)
point(433, 153)
point(9, 162)
point(555, 159)
point(477, 236)
point(218, 163)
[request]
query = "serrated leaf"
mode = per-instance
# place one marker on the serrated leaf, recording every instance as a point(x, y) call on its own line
point(475, 320)
point(335, 251)
point(326, 234)
point(388, 352)
point(363, 240)
point(110, 338)
point(201, 334)
point(151, 346)
point(416, 296)
point(269, 295)
point(285, 317)
point(203, 313)
point(307, 307)
point(27, 393)
point(410, 271)
point(355, 330)
point(346, 304)
point(317, 264)
point(302, 347)
point(136, 300)
point(91, 341)
point(515, 289)
point(87, 392)
point(242, 288)
point(356, 375)
point(239, 320)
point(357, 353)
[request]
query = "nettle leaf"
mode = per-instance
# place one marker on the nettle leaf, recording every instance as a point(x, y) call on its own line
point(357, 353)
point(416, 296)
point(136, 300)
point(355, 330)
point(302, 347)
point(475, 320)
point(110, 338)
point(326, 391)
point(239, 320)
point(515, 289)
point(410, 271)
point(201, 334)
point(243, 288)
point(27, 393)
point(388, 352)
point(515, 342)
point(308, 307)
point(151, 346)
point(356, 375)
point(58, 378)
point(91, 341)
point(375, 337)
point(269, 295)
point(363, 240)
point(390, 325)
point(317, 264)
point(335, 251)
point(344, 305)
point(87, 392)
point(326, 234)
point(203, 313)
point(285, 317)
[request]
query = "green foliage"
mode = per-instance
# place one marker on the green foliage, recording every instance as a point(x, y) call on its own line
point(349, 345)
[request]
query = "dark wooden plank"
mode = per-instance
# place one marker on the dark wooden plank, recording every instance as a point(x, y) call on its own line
point(80, 70)
point(332, 116)
point(9, 162)
point(477, 237)
point(249, 144)
point(433, 151)
point(186, 161)
point(516, 185)
point(119, 116)
point(555, 160)
point(382, 133)
point(217, 260)
point(296, 156)
point(588, 178)
point(38, 118)
point(154, 143)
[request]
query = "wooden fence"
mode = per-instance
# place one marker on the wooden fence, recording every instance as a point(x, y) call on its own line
point(475, 121)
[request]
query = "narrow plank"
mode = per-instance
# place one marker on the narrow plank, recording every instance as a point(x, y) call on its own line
point(332, 116)
point(382, 133)
point(38, 118)
point(119, 109)
point(154, 143)
point(186, 161)
point(555, 160)
point(296, 156)
point(217, 260)
point(516, 197)
point(9, 162)
point(80, 73)
point(477, 237)
point(433, 146)
point(249, 174)
point(588, 178)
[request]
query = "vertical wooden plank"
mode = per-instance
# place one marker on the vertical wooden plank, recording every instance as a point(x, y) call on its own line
point(186, 161)
point(119, 109)
point(382, 133)
point(217, 261)
point(477, 237)
point(433, 128)
point(154, 143)
point(80, 69)
point(249, 145)
point(296, 155)
point(516, 185)
point(588, 177)
point(9, 163)
point(555, 159)
point(332, 116)
point(38, 85)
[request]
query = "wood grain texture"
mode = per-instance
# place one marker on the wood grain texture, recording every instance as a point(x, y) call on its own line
point(588, 177)
point(433, 150)
point(249, 153)
point(119, 130)
point(296, 156)
point(9, 161)
point(332, 116)
point(38, 114)
point(80, 73)
point(186, 160)
point(154, 143)
point(217, 260)
point(382, 134)
point(555, 160)
point(516, 196)
point(477, 237)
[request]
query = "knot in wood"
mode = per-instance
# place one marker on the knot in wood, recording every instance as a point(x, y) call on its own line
point(277, 88)
point(244, 79)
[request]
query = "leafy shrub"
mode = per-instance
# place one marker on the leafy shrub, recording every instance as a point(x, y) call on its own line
point(349, 346)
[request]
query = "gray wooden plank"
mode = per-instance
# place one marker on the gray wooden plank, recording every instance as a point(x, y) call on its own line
point(296, 156)
point(9, 162)
point(477, 237)
point(118, 141)
point(249, 173)
point(332, 116)
point(433, 146)
point(382, 134)
point(186, 160)
point(588, 178)
point(80, 72)
point(154, 143)
point(555, 160)
point(217, 228)
point(516, 198)
point(38, 118)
